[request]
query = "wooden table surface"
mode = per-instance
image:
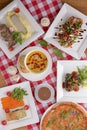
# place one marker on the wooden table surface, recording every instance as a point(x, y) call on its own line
point(81, 5)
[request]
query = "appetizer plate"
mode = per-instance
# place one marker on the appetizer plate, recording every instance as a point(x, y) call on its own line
point(78, 48)
point(32, 116)
point(36, 76)
point(64, 67)
point(35, 29)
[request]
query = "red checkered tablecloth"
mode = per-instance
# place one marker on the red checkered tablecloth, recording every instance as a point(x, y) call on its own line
point(38, 9)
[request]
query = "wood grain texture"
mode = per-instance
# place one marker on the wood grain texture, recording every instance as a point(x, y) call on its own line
point(21, 128)
point(3, 3)
point(81, 5)
point(2, 81)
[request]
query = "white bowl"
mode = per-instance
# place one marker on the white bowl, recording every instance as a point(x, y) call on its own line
point(51, 97)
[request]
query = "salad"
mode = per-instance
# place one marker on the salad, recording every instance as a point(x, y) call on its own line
point(70, 31)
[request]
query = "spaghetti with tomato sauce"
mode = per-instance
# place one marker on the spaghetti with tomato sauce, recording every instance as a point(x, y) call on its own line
point(36, 62)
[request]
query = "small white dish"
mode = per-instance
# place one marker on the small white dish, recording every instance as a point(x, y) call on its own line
point(35, 28)
point(67, 11)
point(64, 67)
point(32, 116)
point(44, 93)
point(36, 76)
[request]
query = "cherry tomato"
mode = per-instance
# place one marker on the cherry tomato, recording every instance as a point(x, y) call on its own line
point(8, 93)
point(16, 10)
point(26, 107)
point(11, 48)
point(59, 35)
point(4, 122)
point(76, 88)
point(7, 110)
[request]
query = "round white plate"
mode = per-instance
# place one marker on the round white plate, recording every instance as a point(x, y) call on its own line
point(32, 76)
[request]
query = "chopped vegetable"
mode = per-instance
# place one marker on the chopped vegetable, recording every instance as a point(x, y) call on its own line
point(11, 103)
point(16, 10)
point(69, 31)
point(7, 110)
point(11, 48)
point(4, 122)
point(26, 107)
point(8, 93)
point(51, 121)
point(17, 36)
point(18, 93)
point(83, 75)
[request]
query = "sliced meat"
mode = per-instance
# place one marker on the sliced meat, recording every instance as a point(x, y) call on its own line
point(6, 35)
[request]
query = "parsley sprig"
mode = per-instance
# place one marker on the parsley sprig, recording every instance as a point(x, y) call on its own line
point(18, 93)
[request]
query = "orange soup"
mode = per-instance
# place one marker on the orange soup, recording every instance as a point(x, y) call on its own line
point(36, 61)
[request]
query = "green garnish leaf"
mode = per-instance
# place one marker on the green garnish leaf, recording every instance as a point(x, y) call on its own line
point(77, 25)
point(18, 93)
point(58, 53)
point(51, 121)
point(17, 37)
point(43, 42)
point(83, 75)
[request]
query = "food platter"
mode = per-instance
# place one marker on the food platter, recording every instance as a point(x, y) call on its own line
point(77, 49)
point(24, 15)
point(31, 117)
point(38, 76)
point(64, 67)
point(63, 110)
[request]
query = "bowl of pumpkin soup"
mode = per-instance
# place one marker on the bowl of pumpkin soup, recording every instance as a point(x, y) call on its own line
point(36, 61)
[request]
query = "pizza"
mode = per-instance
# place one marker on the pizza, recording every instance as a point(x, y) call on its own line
point(65, 116)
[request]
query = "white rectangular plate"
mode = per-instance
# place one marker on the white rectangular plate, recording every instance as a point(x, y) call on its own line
point(77, 49)
point(64, 67)
point(35, 28)
point(32, 116)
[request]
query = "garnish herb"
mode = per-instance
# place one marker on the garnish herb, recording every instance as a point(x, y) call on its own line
point(18, 93)
point(43, 42)
point(83, 75)
point(51, 121)
point(17, 37)
point(57, 52)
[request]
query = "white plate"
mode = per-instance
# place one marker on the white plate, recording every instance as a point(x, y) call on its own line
point(35, 77)
point(64, 67)
point(32, 116)
point(67, 11)
point(35, 28)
